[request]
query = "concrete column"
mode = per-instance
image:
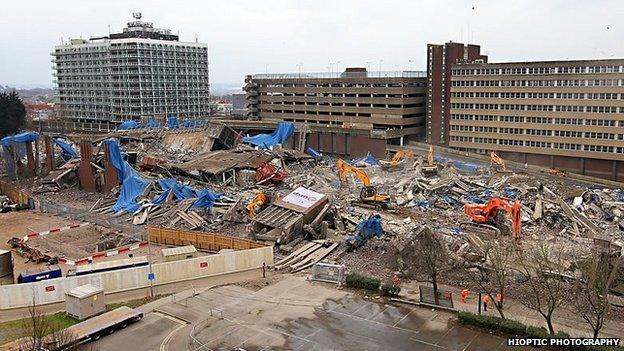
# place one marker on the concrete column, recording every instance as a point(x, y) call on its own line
point(85, 170)
point(614, 171)
point(110, 173)
point(552, 161)
point(49, 150)
point(582, 166)
point(30, 160)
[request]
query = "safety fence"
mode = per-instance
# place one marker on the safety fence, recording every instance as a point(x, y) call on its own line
point(53, 290)
point(330, 273)
point(445, 298)
point(201, 240)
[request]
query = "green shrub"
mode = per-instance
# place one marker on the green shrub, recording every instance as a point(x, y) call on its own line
point(486, 322)
point(359, 281)
point(537, 333)
point(389, 289)
point(512, 327)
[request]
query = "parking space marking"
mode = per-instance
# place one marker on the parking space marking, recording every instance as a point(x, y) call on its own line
point(428, 343)
point(380, 312)
point(400, 320)
point(378, 323)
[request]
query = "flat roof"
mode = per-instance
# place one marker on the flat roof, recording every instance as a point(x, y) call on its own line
point(84, 291)
point(580, 61)
point(180, 250)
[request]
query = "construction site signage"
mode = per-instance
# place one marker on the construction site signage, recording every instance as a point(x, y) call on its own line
point(303, 197)
point(203, 264)
point(50, 288)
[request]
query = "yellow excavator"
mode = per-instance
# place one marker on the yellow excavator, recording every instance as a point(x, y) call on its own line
point(396, 159)
point(431, 167)
point(256, 203)
point(497, 160)
point(368, 193)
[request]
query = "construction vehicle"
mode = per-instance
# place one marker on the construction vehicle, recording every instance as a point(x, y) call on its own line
point(492, 216)
point(556, 172)
point(256, 204)
point(431, 167)
point(497, 160)
point(91, 329)
point(396, 159)
point(368, 193)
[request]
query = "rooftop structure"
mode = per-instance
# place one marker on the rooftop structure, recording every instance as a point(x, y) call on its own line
point(142, 71)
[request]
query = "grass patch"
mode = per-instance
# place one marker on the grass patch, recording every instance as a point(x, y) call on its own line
point(15, 329)
point(134, 303)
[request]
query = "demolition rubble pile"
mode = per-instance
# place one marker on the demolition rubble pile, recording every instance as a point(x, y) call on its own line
point(211, 179)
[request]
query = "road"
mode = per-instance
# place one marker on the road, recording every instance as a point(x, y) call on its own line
point(295, 314)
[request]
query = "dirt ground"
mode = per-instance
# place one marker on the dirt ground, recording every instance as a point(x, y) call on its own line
point(73, 243)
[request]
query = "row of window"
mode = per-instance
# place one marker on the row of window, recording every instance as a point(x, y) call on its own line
point(539, 83)
point(539, 120)
point(538, 144)
point(537, 70)
point(537, 132)
point(556, 108)
point(507, 95)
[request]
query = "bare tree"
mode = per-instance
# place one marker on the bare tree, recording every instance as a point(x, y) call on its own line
point(44, 334)
point(591, 298)
point(545, 288)
point(493, 275)
point(430, 256)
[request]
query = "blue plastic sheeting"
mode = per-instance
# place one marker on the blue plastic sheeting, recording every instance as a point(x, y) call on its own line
point(369, 159)
point(128, 125)
point(132, 185)
point(283, 131)
point(310, 151)
point(365, 230)
point(23, 137)
point(205, 198)
point(172, 122)
point(455, 231)
point(475, 199)
point(193, 123)
point(510, 193)
point(67, 151)
point(423, 204)
point(460, 165)
point(152, 123)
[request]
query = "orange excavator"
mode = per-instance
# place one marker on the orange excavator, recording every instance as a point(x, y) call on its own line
point(397, 158)
point(495, 159)
point(256, 203)
point(368, 193)
point(491, 216)
point(431, 167)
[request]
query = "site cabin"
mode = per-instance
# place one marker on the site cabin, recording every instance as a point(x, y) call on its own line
point(85, 301)
point(38, 274)
point(90, 330)
point(179, 253)
point(109, 266)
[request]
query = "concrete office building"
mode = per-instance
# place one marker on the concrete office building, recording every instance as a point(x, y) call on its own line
point(142, 71)
point(440, 59)
point(388, 107)
point(559, 114)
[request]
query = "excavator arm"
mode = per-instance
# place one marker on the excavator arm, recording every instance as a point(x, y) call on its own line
point(495, 159)
point(368, 193)
point(487, 213)
point(399, 155)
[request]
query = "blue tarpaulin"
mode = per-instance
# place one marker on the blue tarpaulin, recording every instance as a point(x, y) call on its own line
point(172, 122)
point(283, 131)
point(310, 151)
point(127, 125)
point(369, 159)
point(192, 123)
point(132, 185)
point(205, 198)
point(23, 137)
point(152, 123)
point(67, 151)
point(365, 230)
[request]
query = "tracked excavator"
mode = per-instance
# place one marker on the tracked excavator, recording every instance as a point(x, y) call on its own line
point(368, 193)
point(497, 160)
point(491, 217)
point(396, 159)
point(431, 167)
point(256, 203)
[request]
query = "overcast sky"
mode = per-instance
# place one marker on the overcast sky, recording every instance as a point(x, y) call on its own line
point(280, 36)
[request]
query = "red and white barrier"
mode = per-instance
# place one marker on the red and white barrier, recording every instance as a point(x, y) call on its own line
point(98, 255)
point(55, 230)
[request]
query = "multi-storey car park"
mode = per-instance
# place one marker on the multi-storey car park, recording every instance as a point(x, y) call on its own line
point(558, 114)
point(387, 105)
point(143, 71)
